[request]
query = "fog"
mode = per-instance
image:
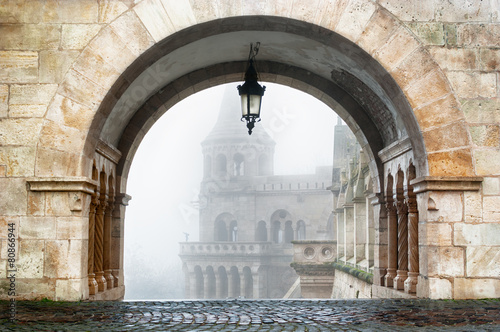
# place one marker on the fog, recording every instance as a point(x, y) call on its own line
point(166, 172)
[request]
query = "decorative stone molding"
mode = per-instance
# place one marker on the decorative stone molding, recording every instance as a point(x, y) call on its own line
point(395, 150)
point(362, 275)
point(313, 269)
point(73, 184)
point(441, 183)
point(122, 199)
point(108, 151)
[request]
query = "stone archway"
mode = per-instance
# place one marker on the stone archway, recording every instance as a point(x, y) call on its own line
point(356, 56)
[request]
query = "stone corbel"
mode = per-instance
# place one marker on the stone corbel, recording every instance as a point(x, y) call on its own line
point(74, 186)
point(444, 183)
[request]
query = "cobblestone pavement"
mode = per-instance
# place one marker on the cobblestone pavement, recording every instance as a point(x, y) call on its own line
point(257, 315)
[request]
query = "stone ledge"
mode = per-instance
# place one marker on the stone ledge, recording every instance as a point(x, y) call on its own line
point(109, 152)
point(446, 183)
point(395, 149)
point(362, 275)
point(325, 269)
point(73, 184)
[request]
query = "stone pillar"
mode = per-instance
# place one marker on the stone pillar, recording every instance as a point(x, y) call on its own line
point(99, 244)
point(348, 232)
point(380, 247)
point(402, 272)
point(392, 250)
point(370, 234)
point(108, 220)
point(359, 230)
point(410, 285)
point(117, 244)
point(230, 284)
point(93, 288)
point(339, 236)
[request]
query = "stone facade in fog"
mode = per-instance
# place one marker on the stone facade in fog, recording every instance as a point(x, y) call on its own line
point(249, 216)
point(81, 82)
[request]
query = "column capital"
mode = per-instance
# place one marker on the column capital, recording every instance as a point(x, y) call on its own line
point(446, 183)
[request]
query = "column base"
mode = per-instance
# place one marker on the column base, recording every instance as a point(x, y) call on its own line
point(389, 277)
point(109, 279)
point(116, 277)
point(93, 287)
point(411, 283)
point(101, 281)
point(399, 281)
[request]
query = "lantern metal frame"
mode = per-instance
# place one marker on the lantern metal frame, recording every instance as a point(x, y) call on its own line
point(251, 92)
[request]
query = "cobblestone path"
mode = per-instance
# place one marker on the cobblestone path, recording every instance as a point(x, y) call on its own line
point(257, 315)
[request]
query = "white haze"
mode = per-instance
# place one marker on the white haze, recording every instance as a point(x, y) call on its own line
point(167, 170)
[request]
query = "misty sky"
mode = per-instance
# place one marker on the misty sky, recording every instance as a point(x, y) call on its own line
point(167, 169)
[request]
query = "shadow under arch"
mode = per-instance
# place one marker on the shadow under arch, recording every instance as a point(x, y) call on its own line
point(293, 53)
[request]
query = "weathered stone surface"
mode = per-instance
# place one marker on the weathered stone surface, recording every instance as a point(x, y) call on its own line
point(69, 113)
point(441, 111)
point(82, 11)
point(31, 93)
point(71, 289)
point(465, 288)
point(440, 288)
point(81, 89)
point(30, 36)
point(429, 88)
point(435, 234)
point(72, 228)
point(63, 259)
point(379, 29)
point(93, 67)
point(476, 234)
point(489, 59)
point(18, 67)
point(413, 68)
point(182, 12)
point(354, 19)
point(491, 208)
point(13, 196)
point(482, 35)
point(451, 163)
point(111, 9)
point(491, 186)
point(155, 19)
point(60, 137)
point(35, 289)
point(108, 45)
point(455, 58)
point(412, 10)
point(485, 135)
point(37, 228)
point(483, 261)
point(207, 10)
point(473, 84)
point(31, 258)
point(130, 29)
point(18, 160)
point(328, 17)
point(450, 136)
point(442, 261)
point(4, 100)
point(481, 110)
point(473, 209)
point(55, 64)
point(36, 203)
point(486, 162)
point(430, 33)
point(397, 48)
point(77, 36)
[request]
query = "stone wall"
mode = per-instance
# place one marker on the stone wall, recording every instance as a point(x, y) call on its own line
point(426, 69)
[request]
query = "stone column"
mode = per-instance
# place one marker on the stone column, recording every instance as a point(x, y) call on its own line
point(380, 258)
point(108, 220)
point(402, 272)
point(392, 250)
point(230, 284)
point(93, 287)
point(348, 232)
point(370, 234)
point(117, 244)
point(99, 244)
point(410, 284)
point(339, 236)
point(360, 230)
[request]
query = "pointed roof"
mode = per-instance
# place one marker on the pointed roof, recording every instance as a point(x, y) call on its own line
point(229, 125)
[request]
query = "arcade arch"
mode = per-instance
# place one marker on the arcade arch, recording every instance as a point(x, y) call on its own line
point(383, 96)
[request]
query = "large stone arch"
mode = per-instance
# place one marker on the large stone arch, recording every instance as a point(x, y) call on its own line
point(356, 56)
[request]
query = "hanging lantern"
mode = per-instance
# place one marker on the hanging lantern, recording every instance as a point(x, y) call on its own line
point(251, 92)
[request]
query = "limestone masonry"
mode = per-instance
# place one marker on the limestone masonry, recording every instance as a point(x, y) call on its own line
point(417, 82)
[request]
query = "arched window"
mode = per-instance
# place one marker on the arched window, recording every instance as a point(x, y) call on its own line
point(221, 165)
point(261, 231)
point(239, 164)
point(301, 230)
point(277, 232)
point(200, 284)
point(233, 231)
point(220, 231)
point(288, 232)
